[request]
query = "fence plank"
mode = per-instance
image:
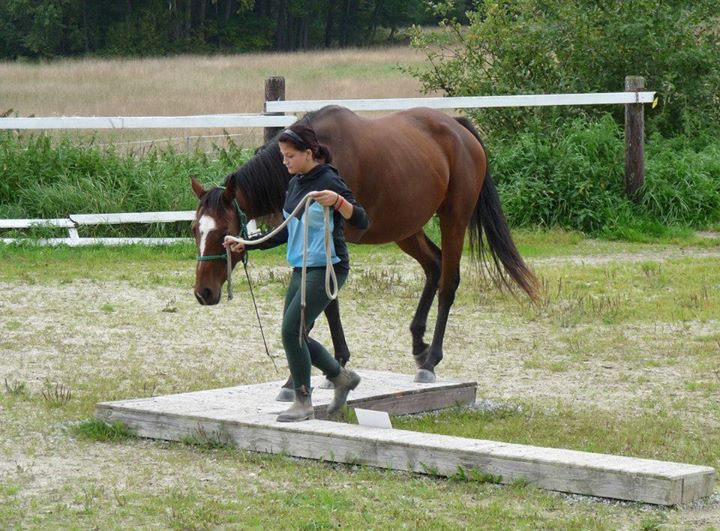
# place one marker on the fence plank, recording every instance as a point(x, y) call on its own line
point(529, 100)
point(29, 223)
point(146, 122)
point(133, 217)
point(82, 242)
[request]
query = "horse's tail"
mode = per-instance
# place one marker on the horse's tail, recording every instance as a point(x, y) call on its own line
point(488, 217)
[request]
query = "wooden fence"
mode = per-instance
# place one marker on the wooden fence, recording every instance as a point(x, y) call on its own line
point(274, 119)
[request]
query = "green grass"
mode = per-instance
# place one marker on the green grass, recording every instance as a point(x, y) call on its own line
point(635, 341)
point(94, 429)
point(661, 436)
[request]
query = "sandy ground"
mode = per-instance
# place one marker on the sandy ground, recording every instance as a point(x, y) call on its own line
point(119, 339)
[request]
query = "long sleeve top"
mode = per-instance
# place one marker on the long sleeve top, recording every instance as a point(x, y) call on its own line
point(321, 177)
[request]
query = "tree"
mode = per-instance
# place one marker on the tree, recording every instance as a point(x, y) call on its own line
point(557, 46)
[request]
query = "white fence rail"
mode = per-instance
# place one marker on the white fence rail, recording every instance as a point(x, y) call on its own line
point(147, 122)
point(74, 221)
point(274, 119)
point(470, 102)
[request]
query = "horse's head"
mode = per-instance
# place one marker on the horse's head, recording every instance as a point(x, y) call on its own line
point(215, 218)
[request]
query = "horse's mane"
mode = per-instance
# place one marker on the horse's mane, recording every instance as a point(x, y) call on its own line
point(263, 179)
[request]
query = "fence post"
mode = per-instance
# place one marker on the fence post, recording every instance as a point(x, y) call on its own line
point(274, 91)
point(634, 140)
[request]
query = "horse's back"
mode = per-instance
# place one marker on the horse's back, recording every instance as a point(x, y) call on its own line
point(400, 166)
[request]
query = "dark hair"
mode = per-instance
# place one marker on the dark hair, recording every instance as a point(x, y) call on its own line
point(303, 137)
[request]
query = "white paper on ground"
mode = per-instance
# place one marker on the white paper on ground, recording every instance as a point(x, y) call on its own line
point(373, 419)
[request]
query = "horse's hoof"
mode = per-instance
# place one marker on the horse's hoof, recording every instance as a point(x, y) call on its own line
point(425, 376)
point(285, 395)
point(326, 384)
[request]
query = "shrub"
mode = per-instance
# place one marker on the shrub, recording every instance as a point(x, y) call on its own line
point(566, 46)
point(573, 178)
point(47, 179)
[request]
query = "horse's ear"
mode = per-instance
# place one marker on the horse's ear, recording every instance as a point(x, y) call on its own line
point(197, 188)
point(228, 194)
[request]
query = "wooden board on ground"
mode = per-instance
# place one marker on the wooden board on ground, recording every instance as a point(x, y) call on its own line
point(245, 416)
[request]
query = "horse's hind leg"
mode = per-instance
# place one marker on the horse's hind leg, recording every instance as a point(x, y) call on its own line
point(453, 236)
point(428, 255)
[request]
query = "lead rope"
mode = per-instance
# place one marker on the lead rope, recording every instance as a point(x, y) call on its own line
point(262, 332)
point(329, 269)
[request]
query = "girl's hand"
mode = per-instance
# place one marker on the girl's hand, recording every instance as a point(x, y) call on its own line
point(326, 198)
point(235, 247)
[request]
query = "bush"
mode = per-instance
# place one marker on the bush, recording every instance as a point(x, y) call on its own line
point(573, 178)
point(566, 46)
point(46, 179)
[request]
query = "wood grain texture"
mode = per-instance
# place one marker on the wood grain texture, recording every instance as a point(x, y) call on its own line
point(244, 416)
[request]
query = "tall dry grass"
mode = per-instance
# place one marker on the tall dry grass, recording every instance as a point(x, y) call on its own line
point(186, 85)
point(201, 84)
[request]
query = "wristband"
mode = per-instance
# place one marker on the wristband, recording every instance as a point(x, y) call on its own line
point(339, 202)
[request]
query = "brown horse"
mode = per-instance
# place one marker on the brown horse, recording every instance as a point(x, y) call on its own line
point(403, 168)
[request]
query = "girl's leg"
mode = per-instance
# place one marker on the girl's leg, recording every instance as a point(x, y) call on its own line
point(301, 357)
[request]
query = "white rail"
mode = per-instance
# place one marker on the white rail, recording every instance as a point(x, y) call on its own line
point(147, 122)
point(73, 221)
point(470, 102)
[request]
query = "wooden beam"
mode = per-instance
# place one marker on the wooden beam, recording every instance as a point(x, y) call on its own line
point(634, 141)
point(244, 416)
point(147, 122)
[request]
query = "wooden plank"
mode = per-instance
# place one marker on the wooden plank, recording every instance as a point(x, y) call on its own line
point(29, 223)
point(82, 242)
point(245, 416)
point(133, 217)
point(469, 102)
point(607, 476)
point(147, 122)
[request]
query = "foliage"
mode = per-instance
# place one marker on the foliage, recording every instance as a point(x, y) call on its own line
point(51, 28)
point(573, 178)
point(560, 46)
point(46, 179)
point(97, 430)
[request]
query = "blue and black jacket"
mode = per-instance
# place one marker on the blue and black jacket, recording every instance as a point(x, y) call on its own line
point(321, 177)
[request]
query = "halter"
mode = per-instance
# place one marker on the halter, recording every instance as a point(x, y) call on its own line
point(242, 234)
point(242, 218)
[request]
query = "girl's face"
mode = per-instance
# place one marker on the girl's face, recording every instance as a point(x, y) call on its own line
point(296, 161)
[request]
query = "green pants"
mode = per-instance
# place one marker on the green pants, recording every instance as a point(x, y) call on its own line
point(301, 358)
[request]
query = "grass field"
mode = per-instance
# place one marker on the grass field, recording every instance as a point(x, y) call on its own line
point(621, 356)
point(189, 85)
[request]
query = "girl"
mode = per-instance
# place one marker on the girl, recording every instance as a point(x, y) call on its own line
point(309, 162)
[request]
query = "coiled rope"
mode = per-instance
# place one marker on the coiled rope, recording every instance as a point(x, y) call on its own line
point(330, 278)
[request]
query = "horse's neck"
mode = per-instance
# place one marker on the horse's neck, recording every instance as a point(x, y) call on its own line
point(256, 211)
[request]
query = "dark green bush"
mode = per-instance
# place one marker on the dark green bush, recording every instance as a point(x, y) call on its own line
point(47, 179)
point(573, 178)
point(567, 46)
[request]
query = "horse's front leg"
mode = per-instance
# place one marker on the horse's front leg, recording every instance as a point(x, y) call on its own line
point(332, 314)
point(287, 391)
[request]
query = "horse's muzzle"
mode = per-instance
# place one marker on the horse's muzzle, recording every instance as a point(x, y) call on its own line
point(206, 297)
